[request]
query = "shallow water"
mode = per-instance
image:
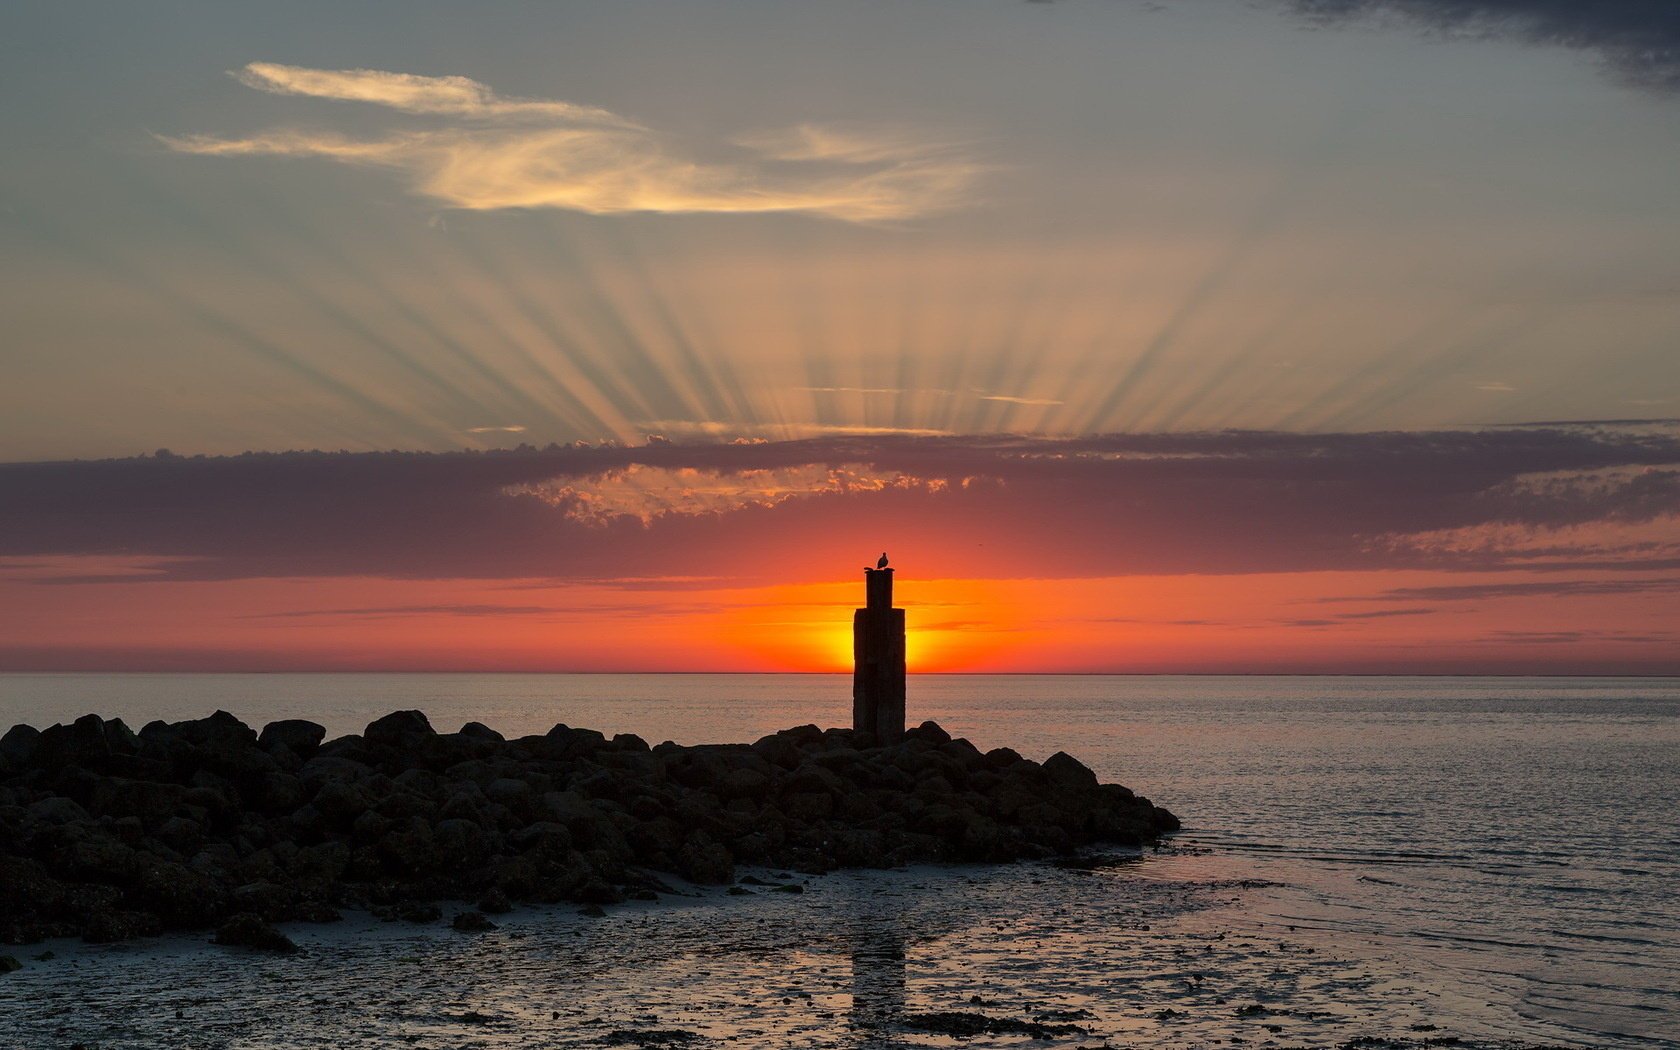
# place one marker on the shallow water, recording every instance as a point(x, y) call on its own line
point(1494, 857)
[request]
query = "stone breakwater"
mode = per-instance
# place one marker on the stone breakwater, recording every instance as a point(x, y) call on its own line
point(108, 834)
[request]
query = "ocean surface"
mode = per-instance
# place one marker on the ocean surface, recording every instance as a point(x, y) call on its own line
point(1490, 859)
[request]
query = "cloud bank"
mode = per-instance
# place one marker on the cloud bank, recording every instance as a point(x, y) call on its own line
point(499, 153)
point(1561, 500)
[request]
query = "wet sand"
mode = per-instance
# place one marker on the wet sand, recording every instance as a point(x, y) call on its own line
point(1173, 949)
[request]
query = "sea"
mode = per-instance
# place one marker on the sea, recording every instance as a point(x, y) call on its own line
point(1365, 861)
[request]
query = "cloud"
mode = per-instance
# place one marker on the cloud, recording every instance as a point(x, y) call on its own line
point(382, 612)
point(851, 144)
point(646, 493)
point(1639, 39)
point(511, 428)
point(1546, 589)
point(456, 96)
point(527, 154)
point(1598, 499)
point(1383, 614)
point(1020, 400)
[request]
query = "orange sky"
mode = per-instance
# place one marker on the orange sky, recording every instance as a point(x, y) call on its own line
point(1549, 549)
point(1296, 622)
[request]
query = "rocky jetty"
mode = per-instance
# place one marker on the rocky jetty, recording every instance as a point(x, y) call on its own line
point(106, 833)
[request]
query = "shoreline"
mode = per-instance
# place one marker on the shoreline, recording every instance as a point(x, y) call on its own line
point(982, 954)
point(207, 823)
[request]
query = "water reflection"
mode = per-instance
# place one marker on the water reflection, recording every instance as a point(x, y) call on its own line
point(878, 978)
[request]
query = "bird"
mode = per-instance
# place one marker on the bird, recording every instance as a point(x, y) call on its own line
point(883, 562)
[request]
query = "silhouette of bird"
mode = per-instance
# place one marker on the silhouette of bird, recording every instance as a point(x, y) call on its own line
point(883, 562)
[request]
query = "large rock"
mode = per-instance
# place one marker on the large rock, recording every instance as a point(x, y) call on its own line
point(219, 732)
point(250, 931)
point(398, 729)
point(1069, 773)
point(704, 861)
point(19, 743)
point(300, 737)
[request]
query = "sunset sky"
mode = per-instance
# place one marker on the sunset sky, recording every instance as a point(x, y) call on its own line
point(1197, 335)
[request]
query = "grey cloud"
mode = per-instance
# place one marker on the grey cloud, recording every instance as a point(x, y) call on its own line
point(1225, 502)
point(1639, 39)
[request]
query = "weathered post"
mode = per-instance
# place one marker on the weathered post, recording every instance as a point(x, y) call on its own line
point(878, 661)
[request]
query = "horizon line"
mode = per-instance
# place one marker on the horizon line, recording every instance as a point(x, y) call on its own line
point(913, 674)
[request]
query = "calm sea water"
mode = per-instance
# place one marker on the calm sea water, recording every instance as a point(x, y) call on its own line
point(1515, 840)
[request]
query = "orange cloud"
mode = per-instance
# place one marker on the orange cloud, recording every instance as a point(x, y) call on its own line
point(532, 153)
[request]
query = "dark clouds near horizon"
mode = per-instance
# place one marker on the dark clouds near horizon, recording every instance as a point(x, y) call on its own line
point(1233, 502)
point(1640, 39)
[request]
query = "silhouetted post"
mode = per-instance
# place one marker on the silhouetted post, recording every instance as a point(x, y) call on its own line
point(878, 662)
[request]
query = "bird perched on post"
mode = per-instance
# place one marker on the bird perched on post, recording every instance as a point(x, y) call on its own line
point(883, 562)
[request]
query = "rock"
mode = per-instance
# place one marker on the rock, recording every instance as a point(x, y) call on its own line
point(268, 901)
point(495, 902)
point(930, 732)
point(56, 811)
point(480, 731)
point(220, 732)
point(18, 745)
point(472, 922)
point(299, 737)
point(398, 729)
point(459, 843)
point(703, 861)
point(1069, 773)
point(8, 964)
point(250, 931)
point(420, 913)
point(90, 742)
point(180, 897)
point(745, 783)
point(107, 926)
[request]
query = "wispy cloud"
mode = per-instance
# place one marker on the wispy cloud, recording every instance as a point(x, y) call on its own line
point(504, 153)
point(411, 93)
point(511, 428)
point(1008, 399)
point(386, 611)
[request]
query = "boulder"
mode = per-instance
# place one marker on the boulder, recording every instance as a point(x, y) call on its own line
point(220, 732)
point(929, 732)
point(18, 745)
point(1069, 773)
point(704, 861)
point(250, 931)
point(296, 735)
point(398, 729)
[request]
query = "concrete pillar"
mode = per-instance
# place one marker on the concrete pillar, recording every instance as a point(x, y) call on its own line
point(878, 663)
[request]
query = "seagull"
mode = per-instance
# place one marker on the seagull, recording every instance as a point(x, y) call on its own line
point(883, 562)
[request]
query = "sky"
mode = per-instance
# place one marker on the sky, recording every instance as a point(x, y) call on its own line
point(1191, 336)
